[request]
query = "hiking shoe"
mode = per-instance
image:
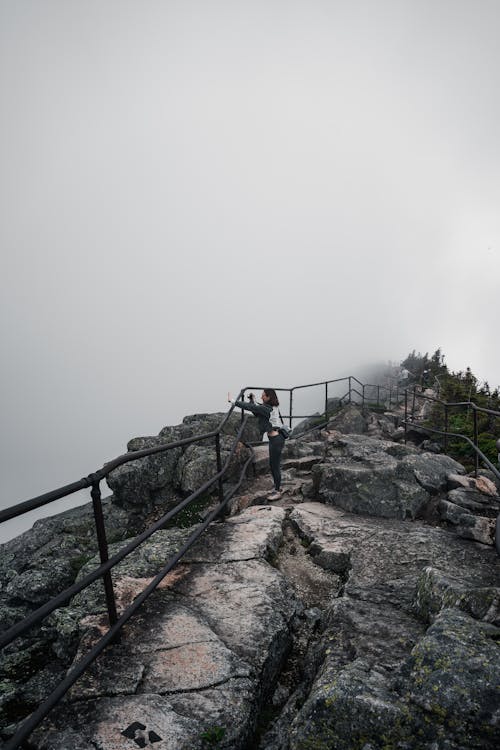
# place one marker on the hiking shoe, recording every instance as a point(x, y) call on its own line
point(274, 495)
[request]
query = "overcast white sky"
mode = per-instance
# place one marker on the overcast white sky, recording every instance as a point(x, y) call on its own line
point(202, 194)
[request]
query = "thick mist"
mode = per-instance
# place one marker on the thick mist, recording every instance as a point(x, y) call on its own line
point(201, 196)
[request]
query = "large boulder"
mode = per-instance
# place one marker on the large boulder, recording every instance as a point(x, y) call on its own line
point(379, 477)
point(160, 479)
point(352, 420)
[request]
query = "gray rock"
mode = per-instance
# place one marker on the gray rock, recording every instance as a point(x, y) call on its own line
point(384, 679)
point(454, 514)
point(158, 479)
point(458, 481)
point(432, 471)
point(380, 478)
point(453, 681)
point(203, 652)
point(469, 498)
point(471, 512)
point(122, 722)
point(351, 421)
point(367, 632)
point(436, 591)
point(479, 529)
point(376, 491)
point(431, 446)
point(35, 566)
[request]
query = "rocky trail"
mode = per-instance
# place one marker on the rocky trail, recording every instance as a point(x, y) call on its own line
point(360, 611)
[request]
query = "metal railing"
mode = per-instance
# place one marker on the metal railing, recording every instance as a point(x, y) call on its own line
point(356, 392)
point(368, 393)
point(411, 420)
point(116, 623)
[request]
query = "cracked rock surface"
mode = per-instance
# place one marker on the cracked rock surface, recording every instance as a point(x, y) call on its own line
point(360, 611)
point(201, 653)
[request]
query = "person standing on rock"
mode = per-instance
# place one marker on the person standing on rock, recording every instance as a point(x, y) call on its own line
point(269, 421)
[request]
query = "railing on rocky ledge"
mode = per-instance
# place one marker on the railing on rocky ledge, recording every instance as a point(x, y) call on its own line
point(365, 394)
point(19, 739)
point(370, 394)
point(412, 419)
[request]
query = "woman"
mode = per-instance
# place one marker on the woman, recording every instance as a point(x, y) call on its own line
point(269, 421)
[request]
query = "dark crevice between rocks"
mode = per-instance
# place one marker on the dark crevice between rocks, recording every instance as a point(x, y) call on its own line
point(315, 588)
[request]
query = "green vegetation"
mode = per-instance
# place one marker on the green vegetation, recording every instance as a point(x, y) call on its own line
point(191, 514)
point(213, 735)
point(458, 387)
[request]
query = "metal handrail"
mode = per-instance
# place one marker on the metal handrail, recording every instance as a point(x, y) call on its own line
point(100, 474)
point(103, 571)
point(470, 404)
point(79, 669)
point(479, 452)
point(16, 630)
point(27, 727)
point(447, 405)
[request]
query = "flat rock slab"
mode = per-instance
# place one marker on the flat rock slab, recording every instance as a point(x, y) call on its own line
point(199, 656)
point(257, 533)
point(377, 550)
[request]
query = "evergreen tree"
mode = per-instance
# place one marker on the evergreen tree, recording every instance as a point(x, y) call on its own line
point(460, 390)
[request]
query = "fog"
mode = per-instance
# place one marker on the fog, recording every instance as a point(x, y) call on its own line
point(198, 196)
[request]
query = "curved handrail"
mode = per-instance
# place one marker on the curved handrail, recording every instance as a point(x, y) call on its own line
point(479, 452)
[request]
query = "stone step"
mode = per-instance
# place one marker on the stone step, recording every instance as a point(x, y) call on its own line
point(304, 463)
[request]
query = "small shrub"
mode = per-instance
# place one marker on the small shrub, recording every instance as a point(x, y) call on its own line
point(213, 735)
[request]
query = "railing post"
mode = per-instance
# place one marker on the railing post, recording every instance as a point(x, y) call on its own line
point(219, 466)
point(446, 428)
point(103, 551)
point(291, 406)
point(413, 403)
point(326, 402)
point(406, 413)
point(476, 456)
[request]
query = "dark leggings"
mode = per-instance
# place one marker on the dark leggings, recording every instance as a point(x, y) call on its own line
point(276, 444)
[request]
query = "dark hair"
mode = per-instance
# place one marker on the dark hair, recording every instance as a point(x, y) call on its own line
point(271, 394)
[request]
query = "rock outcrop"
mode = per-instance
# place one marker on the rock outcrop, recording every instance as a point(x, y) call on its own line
point(361, 611)
point(408, 656)
point(162, 478)
point(47, 559)
point(202, 654)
